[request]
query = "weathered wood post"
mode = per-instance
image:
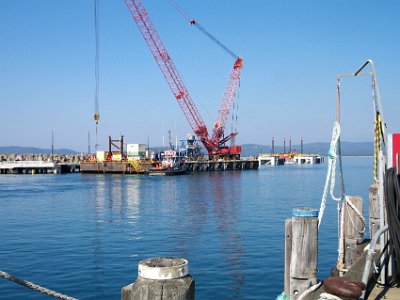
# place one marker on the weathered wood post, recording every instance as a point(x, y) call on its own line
point(304, 256)
point(353, 229)
point(374, 219)
point(161, 278)
point(288, 254)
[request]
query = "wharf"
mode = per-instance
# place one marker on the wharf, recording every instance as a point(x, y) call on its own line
point(37, 167)
point(221, 165)
point(291, 158)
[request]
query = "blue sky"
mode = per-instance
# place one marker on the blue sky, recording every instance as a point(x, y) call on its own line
point(292, 52)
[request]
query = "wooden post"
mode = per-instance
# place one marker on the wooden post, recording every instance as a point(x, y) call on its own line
point(353, 227)
point(161, 278)
point(288, 254)
point(374, 219)
point(303, 264)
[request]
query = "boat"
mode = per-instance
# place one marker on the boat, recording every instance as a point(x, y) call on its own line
point(170, 165)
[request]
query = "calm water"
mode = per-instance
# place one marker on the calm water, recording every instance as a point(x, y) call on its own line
point(83, 235)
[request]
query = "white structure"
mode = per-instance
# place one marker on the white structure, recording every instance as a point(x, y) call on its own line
point(25, 167)
point(306, 159)
point(269, 160)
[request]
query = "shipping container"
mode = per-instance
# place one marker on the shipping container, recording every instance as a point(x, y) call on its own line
point(136, 149)
point(101, 155)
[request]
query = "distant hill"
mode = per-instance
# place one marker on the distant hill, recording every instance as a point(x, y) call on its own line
point(32, 150)
point(348, 148)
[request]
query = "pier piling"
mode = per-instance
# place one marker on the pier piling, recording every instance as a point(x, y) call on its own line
point(304, 250)
point(161, 278)
point(288, 253)
point(374, 218)
point(353, 229)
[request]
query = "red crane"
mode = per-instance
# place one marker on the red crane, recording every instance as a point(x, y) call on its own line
point(216, 144)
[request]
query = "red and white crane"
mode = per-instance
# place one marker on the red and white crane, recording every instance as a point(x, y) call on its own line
point(215, 145)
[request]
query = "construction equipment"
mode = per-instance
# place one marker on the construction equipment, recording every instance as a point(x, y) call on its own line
point(216, 144)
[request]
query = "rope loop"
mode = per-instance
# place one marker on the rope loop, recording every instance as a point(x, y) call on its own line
point(331, 173)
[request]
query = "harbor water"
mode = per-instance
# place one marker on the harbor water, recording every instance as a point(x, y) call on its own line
point(84, 235)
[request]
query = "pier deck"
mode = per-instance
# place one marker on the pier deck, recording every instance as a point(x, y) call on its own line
point(374, 291)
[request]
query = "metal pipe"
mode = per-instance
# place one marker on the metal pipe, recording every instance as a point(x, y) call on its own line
point(377, 96)
point(370, 256)
point(273, 145)
point(381, 164)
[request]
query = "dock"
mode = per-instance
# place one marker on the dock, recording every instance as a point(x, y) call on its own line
point(37, 167)
point(222, 165)
point(289, 158)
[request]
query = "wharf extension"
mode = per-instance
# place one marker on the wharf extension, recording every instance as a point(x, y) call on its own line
point(37, 167)
point(221, 165)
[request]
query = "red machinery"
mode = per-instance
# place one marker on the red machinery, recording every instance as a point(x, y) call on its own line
point(216, 144)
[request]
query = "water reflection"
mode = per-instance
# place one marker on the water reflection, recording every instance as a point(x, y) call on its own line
point(214, 199)
point(196, 217)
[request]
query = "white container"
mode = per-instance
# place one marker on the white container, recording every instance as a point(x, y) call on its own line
point(101, 155)
point(136, 149)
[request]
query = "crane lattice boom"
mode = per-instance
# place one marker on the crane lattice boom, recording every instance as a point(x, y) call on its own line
point(227, 101)
point(167, 67)
point(216, 144)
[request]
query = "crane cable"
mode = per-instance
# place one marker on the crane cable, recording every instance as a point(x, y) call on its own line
point(96, 115)
point(201, 28)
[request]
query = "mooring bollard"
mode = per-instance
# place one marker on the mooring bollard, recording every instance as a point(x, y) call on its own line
point(161, 278)
point(304, 251)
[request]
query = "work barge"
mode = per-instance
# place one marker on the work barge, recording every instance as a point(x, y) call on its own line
point(136, 160)
point(144, 166)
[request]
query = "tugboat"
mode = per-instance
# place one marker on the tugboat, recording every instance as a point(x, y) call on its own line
point(170, 165)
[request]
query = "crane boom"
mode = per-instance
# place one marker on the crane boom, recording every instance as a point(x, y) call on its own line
point(216, 144)
point(164, 61)
point(226, 103)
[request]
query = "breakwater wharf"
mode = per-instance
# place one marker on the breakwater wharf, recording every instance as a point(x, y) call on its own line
point(39, 164)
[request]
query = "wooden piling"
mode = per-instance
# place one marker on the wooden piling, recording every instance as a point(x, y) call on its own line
point(161, 278)
point(374, 219)
point(353, 229)
point(288, 254)
point(304, 255)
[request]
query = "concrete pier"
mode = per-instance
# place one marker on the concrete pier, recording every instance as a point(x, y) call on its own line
point(221, 165)
point(37, 167)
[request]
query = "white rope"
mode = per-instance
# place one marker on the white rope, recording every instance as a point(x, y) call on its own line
point(309, 290)
point(327, 296)
point(331, 174)
point(358, 213)
point(35, 287)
